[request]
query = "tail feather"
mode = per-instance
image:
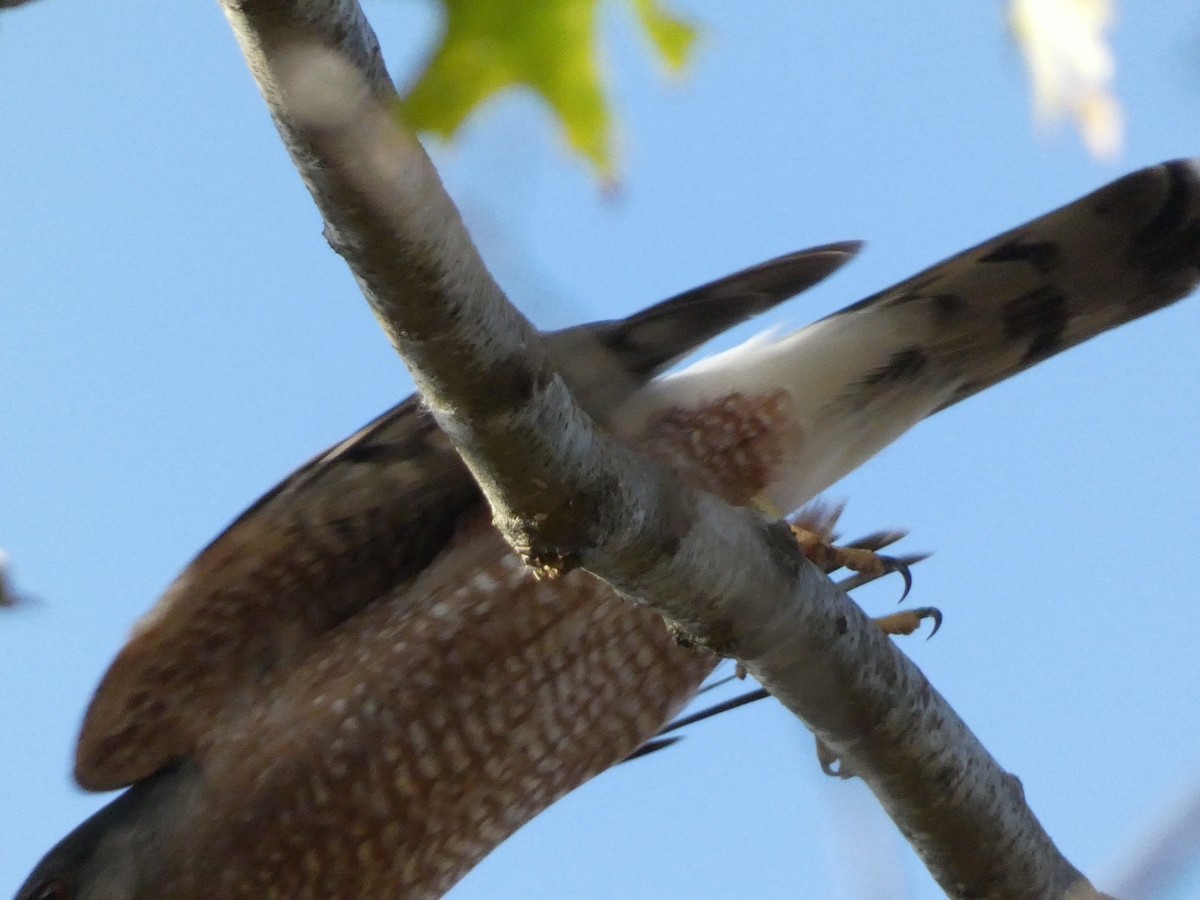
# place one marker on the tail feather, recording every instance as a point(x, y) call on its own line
point(861, 377)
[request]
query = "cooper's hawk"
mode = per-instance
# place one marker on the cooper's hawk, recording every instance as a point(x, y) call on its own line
point(358, 691)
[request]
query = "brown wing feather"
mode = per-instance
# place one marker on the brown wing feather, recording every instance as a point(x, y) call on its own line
point(357, 524)
point(321, 546)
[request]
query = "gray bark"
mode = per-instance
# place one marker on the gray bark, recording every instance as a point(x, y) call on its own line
point(565, 494)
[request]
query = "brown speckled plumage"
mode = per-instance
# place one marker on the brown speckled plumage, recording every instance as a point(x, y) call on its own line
point(391, 755)
point(430, 726)
point(356, 691)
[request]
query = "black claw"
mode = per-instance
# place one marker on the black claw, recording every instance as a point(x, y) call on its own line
point(652, 746)
point(664, 739)
point(895, 564)
point(831, 764)
point(716, 709)
point(713, 685)
point(930, 612)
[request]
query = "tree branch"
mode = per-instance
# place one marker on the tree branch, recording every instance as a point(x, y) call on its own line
point(565, 494)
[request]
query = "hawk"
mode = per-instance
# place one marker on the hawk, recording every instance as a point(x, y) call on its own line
point(358, 690)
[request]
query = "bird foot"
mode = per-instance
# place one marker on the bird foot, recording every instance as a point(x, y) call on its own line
point(907, 622)
point(860, 558)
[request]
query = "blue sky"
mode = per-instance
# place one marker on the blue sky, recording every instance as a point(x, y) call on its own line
point(177, 336)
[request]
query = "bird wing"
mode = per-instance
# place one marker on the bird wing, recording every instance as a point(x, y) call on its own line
point(424, 729)
point(353, 525)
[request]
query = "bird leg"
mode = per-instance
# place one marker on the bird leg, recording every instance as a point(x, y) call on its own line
point(813, 528)
point(905, 622)
point(897, 624)
point(861, 557)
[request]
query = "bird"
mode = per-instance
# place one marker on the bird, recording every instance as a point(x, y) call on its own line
point(358, 690)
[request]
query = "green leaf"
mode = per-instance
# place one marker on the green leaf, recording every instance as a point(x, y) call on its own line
point(672, 37)
point(547, 46)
